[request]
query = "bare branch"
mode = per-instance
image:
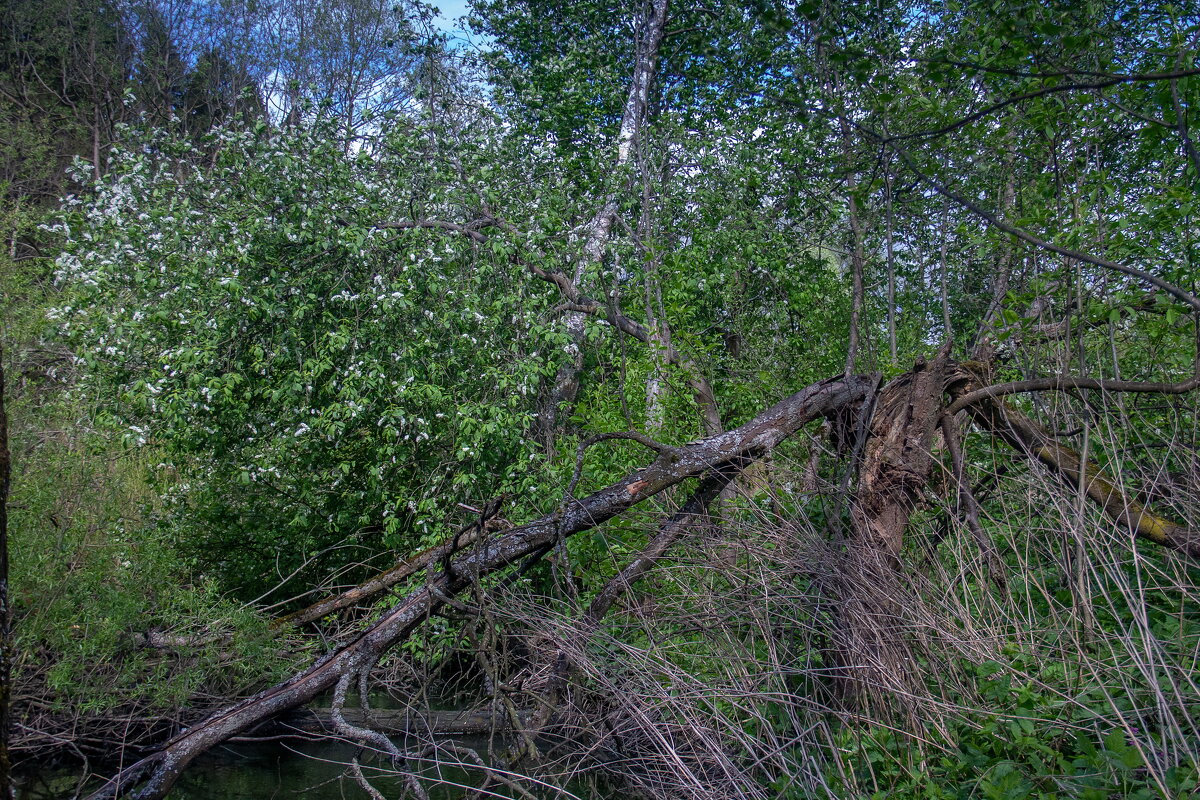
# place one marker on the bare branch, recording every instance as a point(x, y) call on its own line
point(711, 486)
point(1036, 442)
point(757, 436)
point(1067, 382)
point(1024, 235)
point(1045, 90)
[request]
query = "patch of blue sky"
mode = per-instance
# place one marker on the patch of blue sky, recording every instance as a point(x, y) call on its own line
point(451, 21)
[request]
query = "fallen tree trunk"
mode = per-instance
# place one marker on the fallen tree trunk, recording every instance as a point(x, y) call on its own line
point(695, 509)
point(476, 722)
point(371, 588)
point(1033, 440)
point(896, 465)
point(672, 466)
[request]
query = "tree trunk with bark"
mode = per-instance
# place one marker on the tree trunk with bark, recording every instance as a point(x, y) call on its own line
point(897, 461)
point(672, 466)
point(633, 120)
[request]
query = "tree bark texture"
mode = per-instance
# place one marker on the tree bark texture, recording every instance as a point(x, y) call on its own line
point(897, 461)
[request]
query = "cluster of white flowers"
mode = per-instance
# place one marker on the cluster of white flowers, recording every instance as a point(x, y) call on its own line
point(136, 435)
point(163, 258)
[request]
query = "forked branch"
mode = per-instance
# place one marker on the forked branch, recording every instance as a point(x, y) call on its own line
point(1035, 441)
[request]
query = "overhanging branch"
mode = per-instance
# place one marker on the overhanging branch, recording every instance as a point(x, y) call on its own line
point(992, 219)
point(1036, 442)
point(1114, 80)
point(1066, 382)
point(670, 468)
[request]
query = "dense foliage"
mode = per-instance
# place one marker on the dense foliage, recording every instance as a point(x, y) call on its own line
point(349, 380)
point(295, 320)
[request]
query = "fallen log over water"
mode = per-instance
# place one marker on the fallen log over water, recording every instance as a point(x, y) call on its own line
point(399, 722)
point(673, 465)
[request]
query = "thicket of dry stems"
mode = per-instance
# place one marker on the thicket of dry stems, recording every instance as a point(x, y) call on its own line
point(722, 674)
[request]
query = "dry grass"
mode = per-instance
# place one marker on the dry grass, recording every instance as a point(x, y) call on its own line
point(723, 674)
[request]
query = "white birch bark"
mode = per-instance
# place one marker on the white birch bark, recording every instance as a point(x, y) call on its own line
point(599, 231)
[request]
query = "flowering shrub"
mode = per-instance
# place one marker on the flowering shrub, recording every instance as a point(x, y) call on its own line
point(315, 381)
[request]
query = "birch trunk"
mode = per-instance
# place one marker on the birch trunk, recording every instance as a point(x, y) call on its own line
point(633, 120)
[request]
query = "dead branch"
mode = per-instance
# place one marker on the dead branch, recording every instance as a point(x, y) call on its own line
point(1066, 382)
point(1109, 81)
point(370, 588)
point(1036, 442)
point(1134, 272)
point(711, 486)
point(417, 722)
point(751, 440)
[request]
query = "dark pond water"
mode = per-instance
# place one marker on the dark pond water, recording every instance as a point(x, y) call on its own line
point(304, 770)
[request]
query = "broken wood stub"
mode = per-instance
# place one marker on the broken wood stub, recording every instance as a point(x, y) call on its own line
point(897, 458)
point(870, 636)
